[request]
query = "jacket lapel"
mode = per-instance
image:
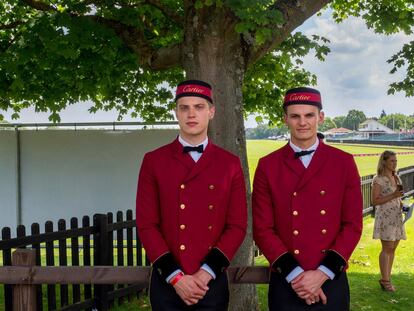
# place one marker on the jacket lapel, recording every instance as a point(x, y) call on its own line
point(205, 160)
point(178, 154)
point(295, 165)
point(318, 160)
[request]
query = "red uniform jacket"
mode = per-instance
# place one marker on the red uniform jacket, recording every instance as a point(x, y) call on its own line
point(187, 208)
point(307, 212)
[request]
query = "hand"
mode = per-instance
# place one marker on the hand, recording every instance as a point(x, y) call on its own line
point(398, 193)
point(190, 289)
point(203, 277)
point(319, 297)
point(307, 285)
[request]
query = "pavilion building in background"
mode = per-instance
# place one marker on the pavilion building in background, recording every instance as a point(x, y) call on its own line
point(371, 128)
point(337, 132)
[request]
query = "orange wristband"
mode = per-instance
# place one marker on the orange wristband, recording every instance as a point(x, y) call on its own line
point(176, 278)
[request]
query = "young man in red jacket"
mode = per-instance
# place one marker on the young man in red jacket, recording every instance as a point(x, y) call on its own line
point(191, 210)
point(307, 212)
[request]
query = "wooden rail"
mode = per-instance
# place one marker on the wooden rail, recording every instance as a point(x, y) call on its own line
point(110, 275)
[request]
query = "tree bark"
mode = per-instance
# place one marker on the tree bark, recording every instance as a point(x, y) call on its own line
point(213, 52)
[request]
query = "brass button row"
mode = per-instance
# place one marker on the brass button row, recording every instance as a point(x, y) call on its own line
point(296, 232)
point(296, 213)
point(182, 227)
point(295, 194)
point(211, 187)
point(210, 207)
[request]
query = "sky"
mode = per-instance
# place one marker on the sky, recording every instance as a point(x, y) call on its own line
point(355, 75)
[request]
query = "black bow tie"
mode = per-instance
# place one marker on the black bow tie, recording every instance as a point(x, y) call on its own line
point(303, 153)
point(198, 148)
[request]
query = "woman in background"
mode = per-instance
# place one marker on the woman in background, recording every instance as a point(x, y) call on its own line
point(386, 196)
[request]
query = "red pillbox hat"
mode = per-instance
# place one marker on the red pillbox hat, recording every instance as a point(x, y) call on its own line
point(194, 88)
point(303, 96)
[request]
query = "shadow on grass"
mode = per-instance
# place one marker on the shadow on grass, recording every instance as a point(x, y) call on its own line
point(366, 293)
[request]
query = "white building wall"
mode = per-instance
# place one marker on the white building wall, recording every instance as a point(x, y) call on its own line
point(372, 126)
point(67, 173)
point(8, 179)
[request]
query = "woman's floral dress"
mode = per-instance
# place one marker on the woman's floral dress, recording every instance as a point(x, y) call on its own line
point(388, 224)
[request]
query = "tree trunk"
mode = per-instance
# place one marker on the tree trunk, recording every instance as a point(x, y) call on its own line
point(215, 55)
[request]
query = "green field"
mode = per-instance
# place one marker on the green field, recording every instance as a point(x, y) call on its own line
point(366, 165)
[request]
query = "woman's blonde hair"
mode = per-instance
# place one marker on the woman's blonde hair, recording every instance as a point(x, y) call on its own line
point(383, 158)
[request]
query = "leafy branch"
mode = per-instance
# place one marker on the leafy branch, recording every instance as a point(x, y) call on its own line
point(294, 13)
point(133, 37)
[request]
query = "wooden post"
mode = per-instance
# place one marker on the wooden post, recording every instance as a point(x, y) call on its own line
point(101, 258)
point(24, 296)
point(8, 289)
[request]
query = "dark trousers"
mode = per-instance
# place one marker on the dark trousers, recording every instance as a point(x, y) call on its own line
point(164, 298)
point(283, 298)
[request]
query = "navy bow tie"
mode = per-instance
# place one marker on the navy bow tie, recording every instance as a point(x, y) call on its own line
point(303, 153)
point(198, 148)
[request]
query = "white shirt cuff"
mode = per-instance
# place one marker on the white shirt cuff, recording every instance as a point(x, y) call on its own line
point(294, 273)
point(327, 271)
point(206, 268)
point(168, 279)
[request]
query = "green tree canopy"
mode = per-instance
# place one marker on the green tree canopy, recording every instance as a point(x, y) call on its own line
point(353, 119)
point(128, 55)
point(263, 131)
point(328, 124)
point(339, 121)
point(125, 54)
point(397, 121)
